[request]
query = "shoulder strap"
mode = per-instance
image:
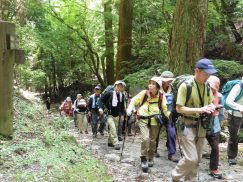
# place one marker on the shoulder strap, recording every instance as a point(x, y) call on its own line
point(188, 90)
point(145, 97)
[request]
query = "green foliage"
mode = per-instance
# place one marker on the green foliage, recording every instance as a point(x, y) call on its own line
point(140, 78)
point(43, 150)
point(228, 70)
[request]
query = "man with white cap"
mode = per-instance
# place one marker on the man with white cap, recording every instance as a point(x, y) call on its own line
point(167, 77)
point(113, 101)
point(194, 113)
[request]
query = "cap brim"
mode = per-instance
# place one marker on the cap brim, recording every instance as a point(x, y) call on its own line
point(210, 71)
point(167, 79)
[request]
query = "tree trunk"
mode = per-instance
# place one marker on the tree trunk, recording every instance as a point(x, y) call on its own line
point(109, 43)
point(187, 37)
point(54, 80)
point(124, 52)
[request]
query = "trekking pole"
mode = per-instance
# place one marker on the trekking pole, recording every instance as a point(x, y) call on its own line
point(177, 137)
point(157, 139)
point(124, 138)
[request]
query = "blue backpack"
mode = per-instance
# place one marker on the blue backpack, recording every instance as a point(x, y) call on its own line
point(227, 88)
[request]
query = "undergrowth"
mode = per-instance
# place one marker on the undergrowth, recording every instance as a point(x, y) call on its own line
point(41, 149)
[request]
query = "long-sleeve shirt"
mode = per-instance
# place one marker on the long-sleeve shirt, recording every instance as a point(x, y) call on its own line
point(106, 102)
point(93, 102)
point(149, 107)
point(230, 101)
point(216, 119)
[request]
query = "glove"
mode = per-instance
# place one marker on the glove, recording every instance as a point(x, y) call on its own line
point(129, 112)
point(101, 111)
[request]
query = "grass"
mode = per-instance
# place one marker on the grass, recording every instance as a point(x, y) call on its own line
point(43, 150)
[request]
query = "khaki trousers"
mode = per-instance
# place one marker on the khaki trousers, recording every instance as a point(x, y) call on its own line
point(113, 124)
point(82, 122)
point(148, 139)
point(192, 147)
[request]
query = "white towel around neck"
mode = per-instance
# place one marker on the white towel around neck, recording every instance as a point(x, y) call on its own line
point(115, 100)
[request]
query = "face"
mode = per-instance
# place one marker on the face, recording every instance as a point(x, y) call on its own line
point(166, 84)
point(202, 75)
point(119, 88)
point(152, 86)
point(79, 97)
point(97, 92)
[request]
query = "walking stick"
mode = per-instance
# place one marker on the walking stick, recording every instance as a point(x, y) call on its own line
point(177, 138)
point(124, 138)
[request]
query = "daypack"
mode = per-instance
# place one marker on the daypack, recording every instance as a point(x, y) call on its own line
point(108, 89)
point(227, 88)
point(161, 118)
point(188, 79)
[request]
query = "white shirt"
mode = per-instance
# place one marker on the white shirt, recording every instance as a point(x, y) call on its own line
point(235, 104)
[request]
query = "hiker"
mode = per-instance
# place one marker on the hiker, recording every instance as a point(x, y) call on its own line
point(93, 108)
point(213, 131)
point(235, 118)
point(66, 107)
point(166, 89)
point(79, 97)
point(194, 116)
point(82, 122)
point(48, 104)
point(113, 101)
point(151, 103)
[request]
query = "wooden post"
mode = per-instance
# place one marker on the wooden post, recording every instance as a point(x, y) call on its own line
point(7, 59)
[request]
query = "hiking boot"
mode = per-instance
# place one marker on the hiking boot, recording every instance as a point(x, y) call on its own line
point(150, 163)
point(86, 132)
point(206, 156)
point(232, 162)
point(216, 174)
point(157, 155)
point(130, 134)
point(81, 132)
point(117, 147)
point(144, 164)
point(173, 158)
point(94, 136)
point(110, 145)
point(120, 138)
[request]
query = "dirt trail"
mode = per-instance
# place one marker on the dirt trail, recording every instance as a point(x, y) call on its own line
point(127, 169)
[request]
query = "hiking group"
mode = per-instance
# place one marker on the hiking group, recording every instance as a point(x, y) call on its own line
point(191, 102)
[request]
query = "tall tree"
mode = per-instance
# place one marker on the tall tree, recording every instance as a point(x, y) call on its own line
point(186, 44)
point(109, 52)
point(124, 53)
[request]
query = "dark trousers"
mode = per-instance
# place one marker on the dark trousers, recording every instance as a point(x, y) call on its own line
point(171, 139)
point(213, 140)
point(95, 118)
point(234, 124)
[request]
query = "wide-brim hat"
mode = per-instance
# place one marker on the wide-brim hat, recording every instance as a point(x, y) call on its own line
point(82, 102)
point(167, 76)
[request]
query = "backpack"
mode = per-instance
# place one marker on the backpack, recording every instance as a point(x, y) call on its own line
point(108, 89)
point(163, 118)
point(188, 79)
point(226, 90)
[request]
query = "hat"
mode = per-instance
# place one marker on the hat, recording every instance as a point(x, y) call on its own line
point(214, 82)
point(167, 76)
point(120, 82)
point(206, 65)
point(82, 102)
point(69, 99)
point(98, 87)
point(157, 79)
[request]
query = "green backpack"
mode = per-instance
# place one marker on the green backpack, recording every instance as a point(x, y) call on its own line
point(226, 90)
